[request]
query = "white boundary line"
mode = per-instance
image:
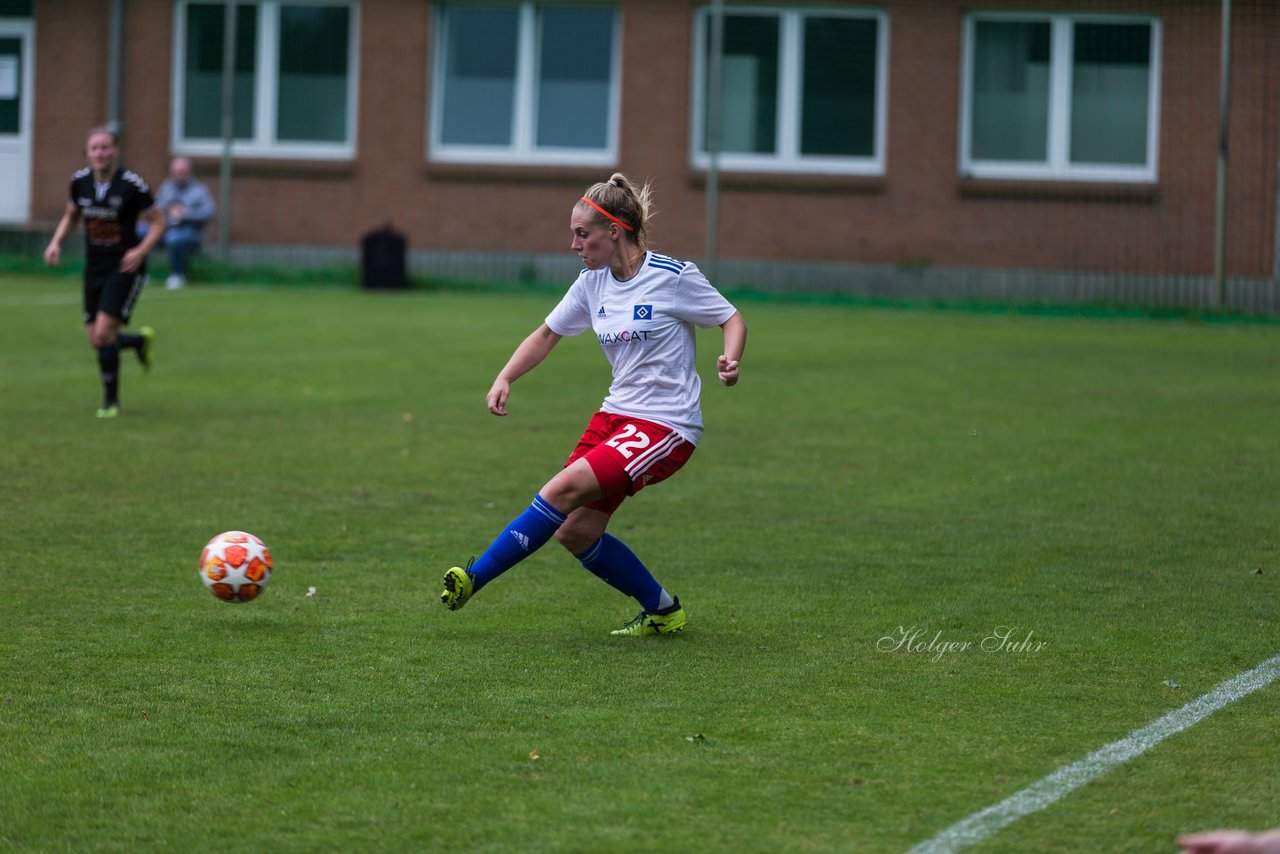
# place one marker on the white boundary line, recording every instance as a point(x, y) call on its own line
point(1041, 794)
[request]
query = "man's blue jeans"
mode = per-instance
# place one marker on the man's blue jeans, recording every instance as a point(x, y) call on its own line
point(182, 241)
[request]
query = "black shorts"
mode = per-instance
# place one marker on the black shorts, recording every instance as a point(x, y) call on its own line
point(112, 293)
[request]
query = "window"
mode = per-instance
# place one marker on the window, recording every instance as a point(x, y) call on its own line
point(294, 78)
point(801, 90)
point(1060, 97)
point(11, 73)
point(525, 83)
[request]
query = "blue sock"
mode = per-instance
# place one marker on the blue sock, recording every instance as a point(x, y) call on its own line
point(527, 533)
point(616, 565)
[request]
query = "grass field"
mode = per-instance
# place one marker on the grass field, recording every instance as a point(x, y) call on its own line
point(1106, 487)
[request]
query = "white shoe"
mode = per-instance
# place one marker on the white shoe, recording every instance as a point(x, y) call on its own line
point(175, 282)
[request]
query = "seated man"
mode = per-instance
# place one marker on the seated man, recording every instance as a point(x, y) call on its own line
point(187, 206)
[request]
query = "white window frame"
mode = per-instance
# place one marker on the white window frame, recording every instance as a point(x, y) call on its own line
point(1061, 59)
point(264, 144)
point(790, 91)
point(524, 149)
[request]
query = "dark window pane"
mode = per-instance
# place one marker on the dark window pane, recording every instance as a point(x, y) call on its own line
point(11, 108)
point(1110, 91)
point(749, 114)
point(202, 86)
point(479, 75)
point(575, 68)
point(838, 110)
point(1010, 104)
point(1113, 44)
point(312, 99)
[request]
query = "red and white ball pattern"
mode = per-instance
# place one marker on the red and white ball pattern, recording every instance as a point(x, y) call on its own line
point(235, 566)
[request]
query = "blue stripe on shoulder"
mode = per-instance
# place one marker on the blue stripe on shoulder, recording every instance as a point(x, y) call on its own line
point(662, 262)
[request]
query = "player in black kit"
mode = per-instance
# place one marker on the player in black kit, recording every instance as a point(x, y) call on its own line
point(110, 200)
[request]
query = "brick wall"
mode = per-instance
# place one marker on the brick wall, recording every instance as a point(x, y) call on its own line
point(920, 212)
point(70, 96)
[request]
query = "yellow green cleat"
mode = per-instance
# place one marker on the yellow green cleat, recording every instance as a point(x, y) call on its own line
point(457, 588)
point(109, 411)
point(668, 621)
point(144, 350)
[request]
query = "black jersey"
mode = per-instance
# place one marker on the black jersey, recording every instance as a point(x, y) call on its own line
point(110, 216)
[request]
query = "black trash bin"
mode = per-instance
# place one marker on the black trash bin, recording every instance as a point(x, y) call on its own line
point(383, 259)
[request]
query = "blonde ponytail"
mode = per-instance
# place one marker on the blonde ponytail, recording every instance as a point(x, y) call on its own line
point(619, 200)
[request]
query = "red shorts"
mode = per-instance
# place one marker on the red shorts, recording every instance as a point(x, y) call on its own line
point(627, 454)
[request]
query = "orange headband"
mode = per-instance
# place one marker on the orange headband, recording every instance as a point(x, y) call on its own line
point(609, 215)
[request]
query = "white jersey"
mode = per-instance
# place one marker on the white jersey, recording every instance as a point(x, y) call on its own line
point(646, 328)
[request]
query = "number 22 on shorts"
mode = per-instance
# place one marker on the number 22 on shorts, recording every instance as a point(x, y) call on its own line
point(628, 440)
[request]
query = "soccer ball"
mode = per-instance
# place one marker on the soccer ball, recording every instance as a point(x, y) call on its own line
point(235, 566)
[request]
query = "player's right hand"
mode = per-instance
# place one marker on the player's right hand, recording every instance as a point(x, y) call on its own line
point(497, 397)
point(727, 370)
point(52, 254)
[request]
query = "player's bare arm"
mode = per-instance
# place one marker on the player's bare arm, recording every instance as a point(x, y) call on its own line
point(527, 356)
point(735, 341)
point(53, 252)
point(133, 259)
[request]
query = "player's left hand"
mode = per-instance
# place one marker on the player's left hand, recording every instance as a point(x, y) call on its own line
point(727, 369)
point(132, 260)
point(496, 399)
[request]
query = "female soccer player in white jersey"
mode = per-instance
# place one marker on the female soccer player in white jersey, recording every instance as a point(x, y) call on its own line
point(643, 307)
